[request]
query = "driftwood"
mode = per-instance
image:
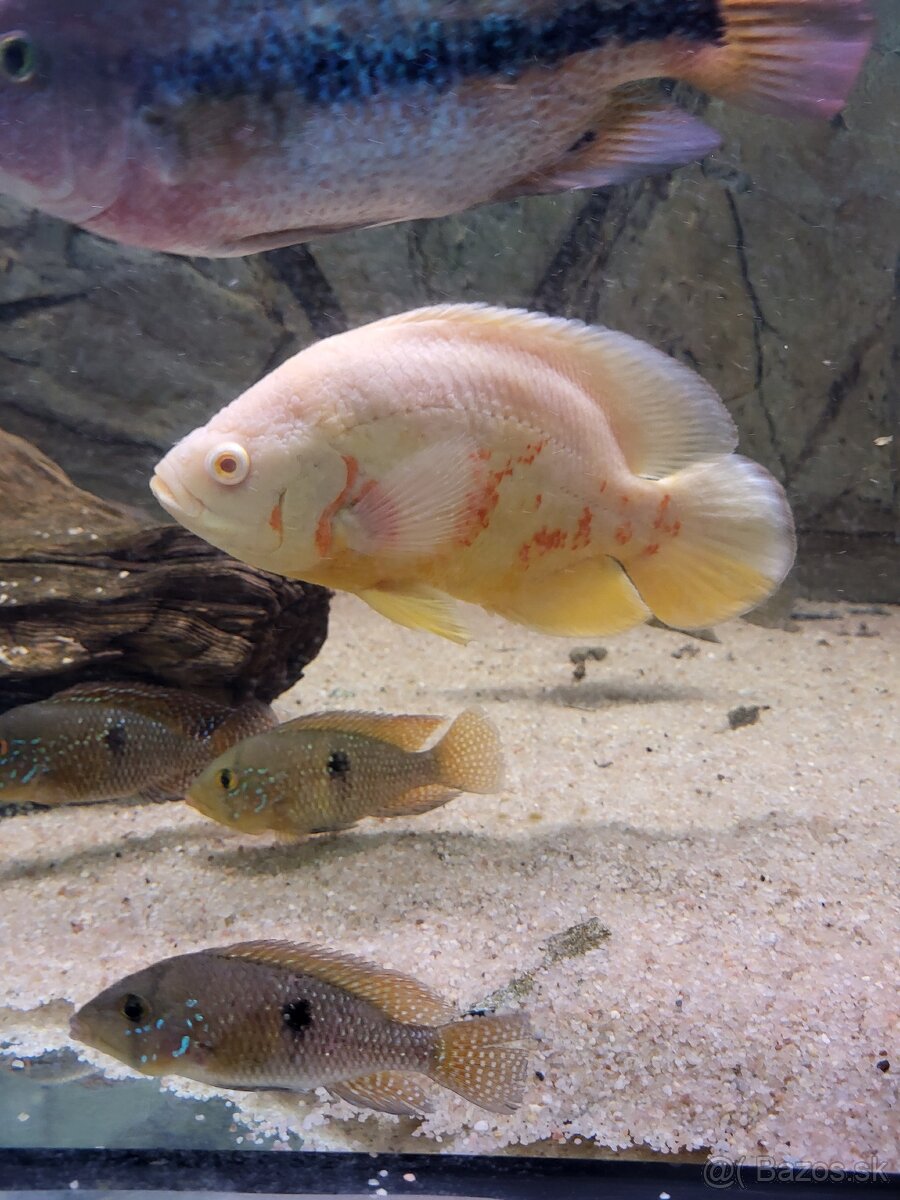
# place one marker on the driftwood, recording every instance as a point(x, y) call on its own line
point(92, 590)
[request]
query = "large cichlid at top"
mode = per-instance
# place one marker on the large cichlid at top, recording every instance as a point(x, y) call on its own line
point(224, 127)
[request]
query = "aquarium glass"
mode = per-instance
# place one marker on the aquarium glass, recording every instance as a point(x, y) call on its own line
point(614, 587)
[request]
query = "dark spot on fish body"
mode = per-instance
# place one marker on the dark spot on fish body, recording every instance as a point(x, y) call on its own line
point(324, 65)
point(338, 764)
point(116, 737)
point(297, 1016)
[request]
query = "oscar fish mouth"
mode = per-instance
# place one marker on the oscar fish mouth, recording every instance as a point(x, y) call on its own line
point(176, 499)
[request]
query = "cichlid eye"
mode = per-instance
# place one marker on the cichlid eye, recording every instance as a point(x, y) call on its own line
point(228, 463)
point(133, 1008)
point(228, 779)
point(18, 60)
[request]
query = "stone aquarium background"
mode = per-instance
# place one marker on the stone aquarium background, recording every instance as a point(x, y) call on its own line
point(772, 268)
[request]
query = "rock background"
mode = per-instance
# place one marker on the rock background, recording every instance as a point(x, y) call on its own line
point(772, 268)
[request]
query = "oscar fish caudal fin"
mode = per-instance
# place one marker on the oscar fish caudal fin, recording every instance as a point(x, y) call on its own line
point(721, 538)
point(784, 56)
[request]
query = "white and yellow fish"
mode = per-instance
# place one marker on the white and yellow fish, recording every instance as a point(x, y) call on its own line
point(570, 478)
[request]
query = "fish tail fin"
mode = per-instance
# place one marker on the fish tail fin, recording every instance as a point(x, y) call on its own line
point(484, 1059)
point(786, 56)
point(723, 542)
point(469, 757)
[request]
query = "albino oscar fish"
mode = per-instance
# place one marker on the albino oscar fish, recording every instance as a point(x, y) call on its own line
point(570, 478)
point(326, 771)
point(261, 1015)
point(224, 127)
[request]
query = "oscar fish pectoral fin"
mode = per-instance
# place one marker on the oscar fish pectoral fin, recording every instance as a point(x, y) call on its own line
point(417, 606)
point(592, 598)
point(635, 136)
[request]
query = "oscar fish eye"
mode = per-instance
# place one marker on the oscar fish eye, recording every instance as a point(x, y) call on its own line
point(133, 1008)
point(18, 61)
point(228, 463)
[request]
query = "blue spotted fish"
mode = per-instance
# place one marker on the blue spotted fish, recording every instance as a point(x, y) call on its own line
point(223, 127)
point(102, 741)
point(326, 771)
point(263, 1015)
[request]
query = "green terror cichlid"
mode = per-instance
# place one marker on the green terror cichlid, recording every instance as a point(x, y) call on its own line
point(107, 741)
point(262, 1015)
point(224, 127)
point(325, 771)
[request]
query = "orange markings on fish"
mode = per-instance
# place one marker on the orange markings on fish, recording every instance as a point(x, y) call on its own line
point(538, 501)
point(532, 450)
point(623, 534)
point(324, 536)
point(489, 500)
point(672, 528)
point(653, 548)
point(543, 541)
point(583, 532)
point(276, 517)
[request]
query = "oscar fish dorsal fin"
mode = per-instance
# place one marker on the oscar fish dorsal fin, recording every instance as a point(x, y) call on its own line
point(398, 996)
point(663, 414)
point(405, 732)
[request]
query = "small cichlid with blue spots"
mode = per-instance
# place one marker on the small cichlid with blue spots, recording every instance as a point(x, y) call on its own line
point(261, 1015)
point(326, 771)
point(225, 127)
point(102, 741)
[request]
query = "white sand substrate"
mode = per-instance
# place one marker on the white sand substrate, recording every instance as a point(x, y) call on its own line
point(745, 1000)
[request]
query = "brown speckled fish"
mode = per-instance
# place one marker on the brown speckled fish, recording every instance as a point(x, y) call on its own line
point(107, 741)
point(262, 1015)
point(326, 771)
point(230, 126)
